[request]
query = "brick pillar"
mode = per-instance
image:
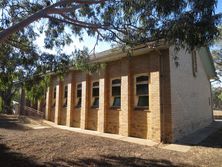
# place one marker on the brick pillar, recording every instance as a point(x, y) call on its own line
point(124, 116)
point(102, 101)
point(59, 88)
point(48, 102)
point(154, 132)
point(70, 100)
point(85, 101)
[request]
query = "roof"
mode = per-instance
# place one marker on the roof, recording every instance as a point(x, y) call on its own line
point(118, 53)
point(207, 61)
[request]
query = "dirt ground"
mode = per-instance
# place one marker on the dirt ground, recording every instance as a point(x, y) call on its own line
point(21, 147)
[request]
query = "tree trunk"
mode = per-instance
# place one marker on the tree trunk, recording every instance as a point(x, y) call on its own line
point(7, 107)
point(22, 102)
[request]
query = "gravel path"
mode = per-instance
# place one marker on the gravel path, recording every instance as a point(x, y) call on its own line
point(21, 147)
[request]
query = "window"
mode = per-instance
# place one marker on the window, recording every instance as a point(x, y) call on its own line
point(115, 94)
point(194, 63)
point(142, 91)
point(79, 95)
point(95, 94)
point(54, 97)
point(54, 91)
point(65, 96)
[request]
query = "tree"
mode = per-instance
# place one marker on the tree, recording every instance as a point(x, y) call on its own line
point(124, 21)
point(22, 65)
point(217, 54)
point(217, 98)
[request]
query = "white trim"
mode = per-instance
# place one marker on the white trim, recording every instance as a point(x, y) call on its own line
point(91, 87)
point(136, 97)
point(114, 85)
point(76, 93)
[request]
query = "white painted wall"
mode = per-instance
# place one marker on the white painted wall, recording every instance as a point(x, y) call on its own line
point(189, 95)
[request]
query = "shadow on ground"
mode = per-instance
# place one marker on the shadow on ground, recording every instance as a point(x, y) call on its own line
point(214, 140)
point(13, 159)
point(11, 123)
point(110, 161)
point(208, 137)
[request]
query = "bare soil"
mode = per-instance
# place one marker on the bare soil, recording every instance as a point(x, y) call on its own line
point(21, 147)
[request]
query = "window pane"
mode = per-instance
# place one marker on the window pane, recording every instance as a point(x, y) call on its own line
point(95, 92)
point(142, 89)
point(54, 92)
point(116, 102)
point(65, 103)
point(79, 86)
point(79, 93)
point(116, 91)
point(95, 84)
point(79, 103)
point(66, 92)
point(116, 81)
point(143, 101)
point(142, 78)
point(96, 102)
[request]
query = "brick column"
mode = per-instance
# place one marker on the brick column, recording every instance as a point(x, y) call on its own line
point(85, 101)
point(102, 102)
point(154, 132)
point(70, 100)
point(59, 88)
point(124, 116)
point(48, 102)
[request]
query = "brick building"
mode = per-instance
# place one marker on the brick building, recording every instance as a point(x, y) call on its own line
point(149, 95)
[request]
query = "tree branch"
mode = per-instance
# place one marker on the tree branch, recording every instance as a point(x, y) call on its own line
point(4, 34)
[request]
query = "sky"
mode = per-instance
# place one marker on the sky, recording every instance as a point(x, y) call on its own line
point(219, 6)
point(90, 41)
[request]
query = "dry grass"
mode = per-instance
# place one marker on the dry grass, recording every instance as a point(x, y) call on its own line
point(20, 146)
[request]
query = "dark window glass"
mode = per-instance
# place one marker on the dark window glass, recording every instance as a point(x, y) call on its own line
point(116, 81)
point(95, 92)
point(79, 103)
point(65, 103)
point(142, 89)
point(116, 91)
point(79, 86)
point(54, 92)
point(79, 93)
point(96, 102)
point(95, 84)
point(66, 92)
point(143, 101)
point(142, 78)
point(116, 102)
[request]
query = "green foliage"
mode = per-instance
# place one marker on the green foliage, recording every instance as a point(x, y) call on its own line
point(220, 96)
point(130, 22)
point(82, 62)
point(126, 22)
point(0, 105)
point(217, 98)
point(217, 53)
point(37, 90)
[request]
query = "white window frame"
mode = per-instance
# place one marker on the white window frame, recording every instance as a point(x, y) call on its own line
point(65, 99)
point(136, 97)
point(54, 96)
point(76, 95)
point(93, 98)
point(111, 96)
